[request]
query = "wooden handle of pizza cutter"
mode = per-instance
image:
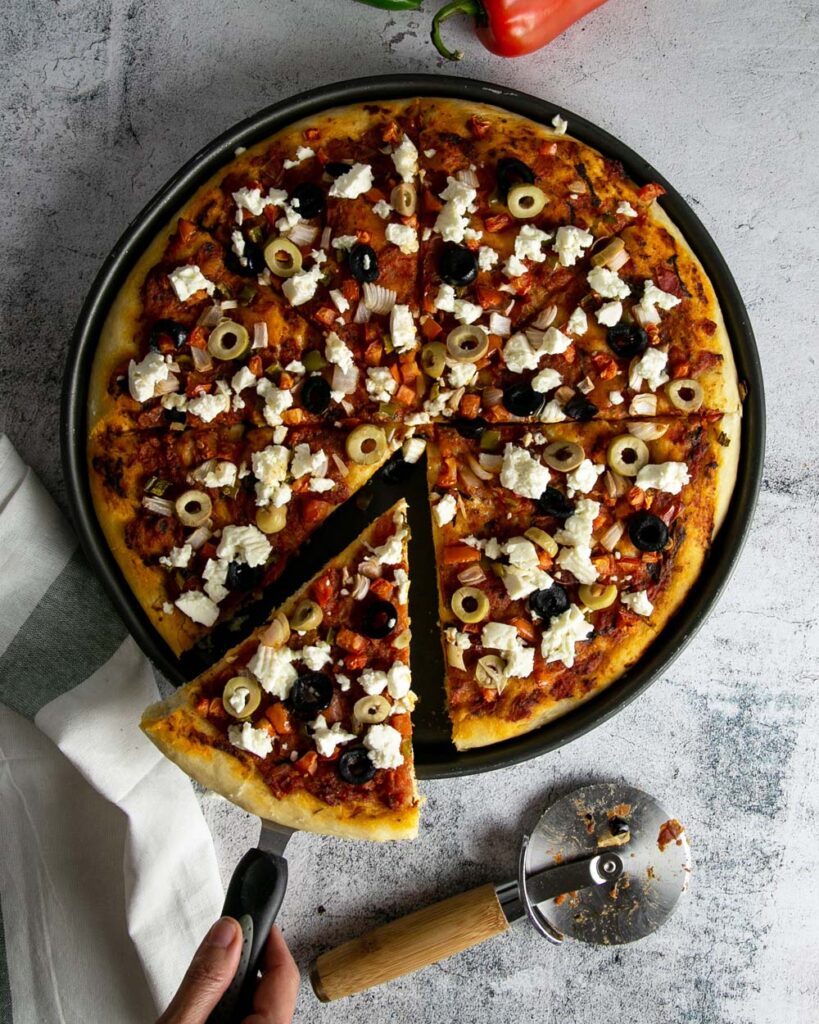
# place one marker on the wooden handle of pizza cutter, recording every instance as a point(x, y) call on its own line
point(408, 944)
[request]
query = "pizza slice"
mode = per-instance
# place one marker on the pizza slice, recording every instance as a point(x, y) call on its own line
point(562, 553)
point(307, 721)
point(201, 522)
point(555, 288)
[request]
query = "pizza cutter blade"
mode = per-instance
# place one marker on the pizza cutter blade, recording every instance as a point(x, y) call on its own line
point(605, 865)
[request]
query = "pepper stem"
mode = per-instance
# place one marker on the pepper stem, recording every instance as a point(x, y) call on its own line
point(473, 7)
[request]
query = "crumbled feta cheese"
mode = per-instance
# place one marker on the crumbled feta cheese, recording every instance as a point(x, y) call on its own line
point(315, 656)
point(273, 667)
point(243, 378)
point(198, 607)
point(664, 476)
point(651, 368)
point(372, 681)
point(522, 473)
point(380, 383)
point(167, 608)
point(499, 636)
point(305, 461)
point(405, 158)
point(570, 243)
point(208, 407)
point(459, 200)
point(255, 741)
point(239, 698)
point(252, 200)
point(487, 257)
point(402, 583)
point(301, 287)
point(616, 397)
point(560, 124)
point(338, 300)
point(638, 602)
point(302, 153)
point(357, 181)
point(519, 355)
point(270, 470)
point(327, 738)
point(321, 484)
point(609, 314)
point(584, 477)
point(444, 510)
point(276, 400)
point(178, 558)
point(552, 413)
point(499, 325)
point(577, 529)
point(237, 244)
point(625, 209)
point(467, 312)
point(645, 311)
point(528, 243)
point(554, 342)
point(188, 280)
point(413, 448)
point(460, 375)
point(607, 283)
point(344, 242)
point(391, 552)
point(245, 544)
point(514, 267)
point(144, 376)
point(445, 299)
point(404, 236)
point(223, 474)
point(566, 630)
point(399, 680)
point(402, 329)
point(384, 746)
point(546, 380)
point(336, 351)
point(215, 576)
point(577, 561)
point(578, 322)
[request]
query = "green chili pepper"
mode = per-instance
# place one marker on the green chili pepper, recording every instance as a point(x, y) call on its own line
point(394, 5)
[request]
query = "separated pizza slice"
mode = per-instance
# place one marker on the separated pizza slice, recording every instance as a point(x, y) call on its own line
point(200, 522)
point(555, 287)
point(307, 721)
point(562, 553)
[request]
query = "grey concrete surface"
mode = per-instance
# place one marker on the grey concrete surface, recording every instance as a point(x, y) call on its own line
point(102, 100)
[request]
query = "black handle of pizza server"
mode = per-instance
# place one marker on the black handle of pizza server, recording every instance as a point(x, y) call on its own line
point(253, 897)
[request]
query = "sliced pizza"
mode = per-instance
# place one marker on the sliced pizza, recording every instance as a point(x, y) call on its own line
point(201, 522)
point(562, 553)
point(307, 721)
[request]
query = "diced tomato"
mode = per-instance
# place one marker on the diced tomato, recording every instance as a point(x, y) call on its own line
point(307, 763)
point(202, 706)
point(194, 388)
point(649, 192)
point(392, 133)
point(605, 365)
point(292, 417)
point(351, 290)
point(326, 316)
point(373, 353)
point(313, 510)
point(198, 338)
point(311, 134)
point(363, 236)
point(479, 126)
point(409, 369)
point(271, 214)
point(470, 406)
point(381, 588)
point(396, 373)
point(355, 662)
point(278, 716)
point(431, 202)
point(498, 222)
point(323, 590)
point(636, 497)
point(347, 640)
point(186, 230)
point(431, 329)
point(405, 395)
point(448, 475)
point(216, 709)
point(255, 365)
point(544, 559)
point(374, 195)
point(460, 554)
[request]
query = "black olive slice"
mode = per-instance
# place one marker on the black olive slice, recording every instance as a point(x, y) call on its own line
point(554, 503)
point(307, 199)
point(458, 265)
point(176, 415)
point(522, 400)
point(627, 340)
point(172, 329)
point(580, 408)
point(647, 531)
point(241, 576)
point(380, 619)
point(470, 429)
point(311, 694)
point(397, 470)
point(337, 167)
point(254, 261)
point(548, 603)
point(363, 263)
point(511, 171)
point(315, 394)
point(355, 766)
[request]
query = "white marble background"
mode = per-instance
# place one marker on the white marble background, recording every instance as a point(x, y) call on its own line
point(103, 100)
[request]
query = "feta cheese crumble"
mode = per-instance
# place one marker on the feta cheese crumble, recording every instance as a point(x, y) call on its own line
point(444, 511)
point(405, 158)
point(402, 329)
point(570, 243)
point(144, 376)
point(383, 744)
point(670, 477)
point(188, 280)
point(198, 607)
point(638, 602)
point(566, 630)
point(404, 236)
point(651, 368)
point(522, 473)
point(607, 283)
point(255, 741)
point(327, 738)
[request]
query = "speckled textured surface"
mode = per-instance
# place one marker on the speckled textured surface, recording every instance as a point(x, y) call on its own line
point(104, 100)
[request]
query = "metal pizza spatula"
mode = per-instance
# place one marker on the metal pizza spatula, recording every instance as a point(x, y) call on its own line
point(605, 864)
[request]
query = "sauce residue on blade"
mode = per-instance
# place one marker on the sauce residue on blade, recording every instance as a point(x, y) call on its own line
point(670, 831)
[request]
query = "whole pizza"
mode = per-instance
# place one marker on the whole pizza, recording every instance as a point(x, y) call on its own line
point(425, 279)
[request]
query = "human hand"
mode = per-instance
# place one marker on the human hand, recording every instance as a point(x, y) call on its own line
point(213, 967)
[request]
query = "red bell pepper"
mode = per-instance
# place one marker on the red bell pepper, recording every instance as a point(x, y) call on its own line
point(511, 28)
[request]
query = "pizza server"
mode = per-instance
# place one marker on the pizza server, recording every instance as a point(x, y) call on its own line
point(604, 865)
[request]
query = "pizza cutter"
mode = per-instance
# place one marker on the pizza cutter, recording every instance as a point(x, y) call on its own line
point(604, 865)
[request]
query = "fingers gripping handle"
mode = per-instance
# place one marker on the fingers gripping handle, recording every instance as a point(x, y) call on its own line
point(408, 944)
point(254, 896)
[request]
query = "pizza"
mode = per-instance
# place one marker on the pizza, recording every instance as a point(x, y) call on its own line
point(306, 722)
point(425, 272)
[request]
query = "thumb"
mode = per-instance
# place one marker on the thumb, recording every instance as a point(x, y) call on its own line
point(211, 971)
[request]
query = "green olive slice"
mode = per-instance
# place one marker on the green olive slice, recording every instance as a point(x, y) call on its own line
point(404, 199)
point(193, 508)
point(614, 248)
point(228, 340)
point(490, 671)
point(241, 696)
point(433, 359)
point(470, 604)
point(306, 616)
point(366, 445)
point(371, 710)
point(282, 257)
point(595, 596)
point(685, 394)
point(542, 539)
point(272, 520)
point(627, 455)
point(563, 456)
point(467, 344)
point(526, 201)
point(314, 361)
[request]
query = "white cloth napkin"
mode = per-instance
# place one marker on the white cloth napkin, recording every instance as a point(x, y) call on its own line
point(108, 876)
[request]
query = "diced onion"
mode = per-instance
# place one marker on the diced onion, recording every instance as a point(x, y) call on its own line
point(618, 261)
point(564, 394)
point(586, 385)
point(378, 299)
point(211, 316)
point(500, 325)
point(477, 468)
point(201, 359)
point(467, 176)
point(615, 484)
point(260, 336)
point(361, 587)
point(199, 537)
point(167, 386)
point(362, 313)
point(472, 575)
point(545, 318)
point(643, 405)
point(611, 536)
point(491, 397)
point(161, 506)
point(534, 337)
point(454, 656)
point(491, 462)
point(647, 431)
point(344, 380)
point(303, 234)
point(326, 235)
point(469, 478)
point(340, 465)
point(226, 304)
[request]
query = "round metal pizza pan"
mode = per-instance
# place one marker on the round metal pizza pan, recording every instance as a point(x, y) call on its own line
point(435, 755)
